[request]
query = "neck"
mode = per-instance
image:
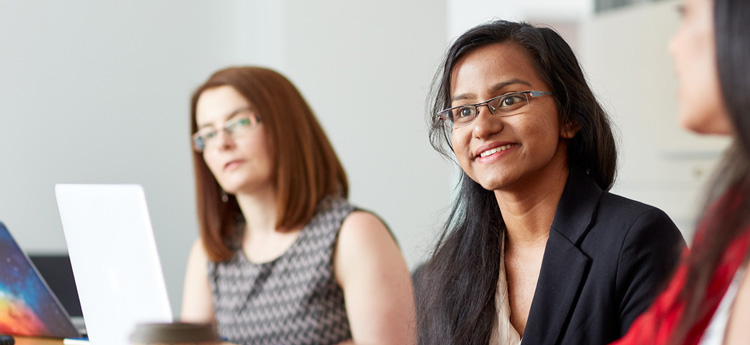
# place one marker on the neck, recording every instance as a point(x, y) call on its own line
point(259, 209)
point(528, 213)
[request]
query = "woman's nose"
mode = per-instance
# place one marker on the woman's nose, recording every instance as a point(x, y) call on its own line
point(225, 140)
point(486, 124)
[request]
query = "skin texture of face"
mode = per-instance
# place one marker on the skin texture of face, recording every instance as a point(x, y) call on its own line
point(530, 143)
point(693, 48)
point(241, 164)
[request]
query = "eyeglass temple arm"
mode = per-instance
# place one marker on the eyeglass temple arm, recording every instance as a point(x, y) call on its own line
point(539, 93)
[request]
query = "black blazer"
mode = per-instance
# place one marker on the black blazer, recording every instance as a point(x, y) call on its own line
point(606, 259)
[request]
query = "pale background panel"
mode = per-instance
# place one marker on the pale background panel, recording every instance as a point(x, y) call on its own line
point(365, 68)
point(97, 92)
point(625, 56)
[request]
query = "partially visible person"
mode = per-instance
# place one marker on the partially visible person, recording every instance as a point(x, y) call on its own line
point(283, 257)
point(535, 250)
point(708, 300)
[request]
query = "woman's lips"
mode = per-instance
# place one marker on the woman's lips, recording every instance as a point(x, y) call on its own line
point(492, 148)
point(233, 164)
point(491, 152)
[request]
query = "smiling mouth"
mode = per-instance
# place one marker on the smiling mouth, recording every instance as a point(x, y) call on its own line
point(495, 150)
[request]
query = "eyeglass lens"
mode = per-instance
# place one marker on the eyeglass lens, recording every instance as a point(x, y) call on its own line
point(505, 105)
point(234, 128)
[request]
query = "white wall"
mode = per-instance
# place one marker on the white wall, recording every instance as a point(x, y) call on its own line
point(97, 92)
point(624, 54)
point(365, 68)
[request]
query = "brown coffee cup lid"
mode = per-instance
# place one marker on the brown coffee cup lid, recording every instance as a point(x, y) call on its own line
point(173, 333)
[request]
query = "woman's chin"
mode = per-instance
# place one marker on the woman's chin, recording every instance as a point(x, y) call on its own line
point(493, 184)
point(706, 126)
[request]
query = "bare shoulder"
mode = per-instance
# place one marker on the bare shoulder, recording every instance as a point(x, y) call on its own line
point(363, 229)
point(365, 246)
point(196, 294)
point(197, 251)
point(363, 219)
point(370, 269)
point(197, 260)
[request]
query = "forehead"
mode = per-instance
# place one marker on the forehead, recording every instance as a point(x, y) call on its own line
point(483, 67)
point(216, 104)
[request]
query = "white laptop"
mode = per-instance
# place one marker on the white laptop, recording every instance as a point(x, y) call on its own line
point(115, 262)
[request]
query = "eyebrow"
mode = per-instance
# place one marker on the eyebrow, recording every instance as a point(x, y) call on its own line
point(228, 116)
point(497, 87)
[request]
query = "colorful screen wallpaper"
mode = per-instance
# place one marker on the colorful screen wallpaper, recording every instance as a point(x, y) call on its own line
point(27, 307)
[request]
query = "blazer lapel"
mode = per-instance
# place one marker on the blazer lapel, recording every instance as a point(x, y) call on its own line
point(564, 266)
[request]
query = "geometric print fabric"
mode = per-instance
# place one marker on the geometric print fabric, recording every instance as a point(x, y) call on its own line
point(293, 299)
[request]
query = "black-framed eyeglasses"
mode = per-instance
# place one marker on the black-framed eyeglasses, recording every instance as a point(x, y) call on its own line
point(508, 104)
point(236, 127)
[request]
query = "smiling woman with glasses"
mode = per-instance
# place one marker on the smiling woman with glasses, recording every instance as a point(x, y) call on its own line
point(535, 248)
point(283, 257)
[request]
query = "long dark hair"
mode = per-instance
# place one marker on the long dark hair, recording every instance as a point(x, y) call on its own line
point(725, 212)
point(456, 288)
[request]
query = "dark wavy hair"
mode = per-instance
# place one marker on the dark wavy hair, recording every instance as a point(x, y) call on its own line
point(457, 285)
point(730, 189)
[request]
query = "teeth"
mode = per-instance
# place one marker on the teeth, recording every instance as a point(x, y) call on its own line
point(495, 150)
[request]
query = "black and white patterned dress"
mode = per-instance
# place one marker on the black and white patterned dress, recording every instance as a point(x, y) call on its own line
point(293, 299)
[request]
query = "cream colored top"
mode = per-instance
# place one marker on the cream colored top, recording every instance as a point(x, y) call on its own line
point(504, 333)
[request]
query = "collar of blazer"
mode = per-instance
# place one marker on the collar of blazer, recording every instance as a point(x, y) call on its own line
point(564, 266)
point(577, 206)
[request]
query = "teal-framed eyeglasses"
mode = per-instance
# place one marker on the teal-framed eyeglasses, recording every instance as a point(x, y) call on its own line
point(239, 126)
point(508, 104)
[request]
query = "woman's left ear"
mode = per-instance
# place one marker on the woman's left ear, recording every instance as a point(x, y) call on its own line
point(569, 129)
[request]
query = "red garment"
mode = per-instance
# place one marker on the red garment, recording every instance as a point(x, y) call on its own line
point(656, 325)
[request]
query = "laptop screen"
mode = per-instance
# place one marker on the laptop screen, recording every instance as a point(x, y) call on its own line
point(114, 257)
point(27, 307)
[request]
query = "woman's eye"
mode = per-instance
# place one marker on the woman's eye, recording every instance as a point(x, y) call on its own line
point(465, 112)
point(244, 122)
point(510, 100)
point(241, 123)
point(681, 10)
point(208, 135)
